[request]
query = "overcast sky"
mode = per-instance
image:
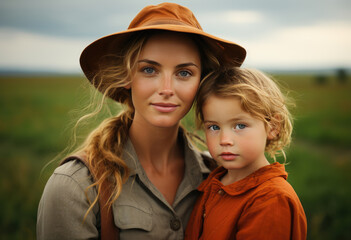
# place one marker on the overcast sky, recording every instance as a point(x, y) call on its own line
point(277, 34)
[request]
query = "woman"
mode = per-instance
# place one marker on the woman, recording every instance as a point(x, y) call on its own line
point(141, 160)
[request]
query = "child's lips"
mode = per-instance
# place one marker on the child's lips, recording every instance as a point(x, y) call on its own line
point(228, 156)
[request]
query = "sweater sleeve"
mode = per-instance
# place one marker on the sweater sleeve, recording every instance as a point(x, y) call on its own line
point(62, 209)
point(273, 217)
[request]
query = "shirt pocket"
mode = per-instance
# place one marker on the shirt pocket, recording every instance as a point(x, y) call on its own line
point(133, 217)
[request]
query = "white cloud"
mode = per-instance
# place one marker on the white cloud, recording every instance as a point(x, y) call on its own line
point(316, 46)
point(241, 17)
point(31, 51)
point(235, 17)
point(320, 45)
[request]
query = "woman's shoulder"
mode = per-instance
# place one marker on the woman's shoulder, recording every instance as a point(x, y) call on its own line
point(64, 202)
point(72, 176)
point(69, 184)
point(71, 168)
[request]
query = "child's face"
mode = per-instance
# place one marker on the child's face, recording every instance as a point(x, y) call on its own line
point(235, 139)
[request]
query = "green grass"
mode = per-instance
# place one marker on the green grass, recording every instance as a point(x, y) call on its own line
point(37, 113)
point(323, 112)
point(320, 156)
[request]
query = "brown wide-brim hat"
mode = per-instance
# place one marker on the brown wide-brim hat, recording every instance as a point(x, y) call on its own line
point(164, 16)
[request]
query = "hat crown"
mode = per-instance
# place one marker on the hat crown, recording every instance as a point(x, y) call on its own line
point(165, 13)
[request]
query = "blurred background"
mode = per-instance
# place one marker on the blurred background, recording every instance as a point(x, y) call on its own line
point(304, 44)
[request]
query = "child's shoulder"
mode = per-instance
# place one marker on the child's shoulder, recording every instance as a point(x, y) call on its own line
point(275, 198)
point(275, 189)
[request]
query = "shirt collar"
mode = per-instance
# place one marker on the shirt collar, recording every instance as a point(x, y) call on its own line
point(194, 165)
point(253, 180)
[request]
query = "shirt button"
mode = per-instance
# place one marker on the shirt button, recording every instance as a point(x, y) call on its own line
point(220, 192)
point(175, 224)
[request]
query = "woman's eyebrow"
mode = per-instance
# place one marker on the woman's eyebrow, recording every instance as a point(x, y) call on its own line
point(158, 64)
point(149, 62)
point(187, 65)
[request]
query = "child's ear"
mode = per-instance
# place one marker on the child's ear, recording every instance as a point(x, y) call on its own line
point(274, 127)
point(127, 86)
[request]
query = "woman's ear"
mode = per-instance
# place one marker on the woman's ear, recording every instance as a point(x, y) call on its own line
point(274, 127)
point(127, 86)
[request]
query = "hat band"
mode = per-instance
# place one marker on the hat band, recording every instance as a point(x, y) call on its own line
point(169, 21)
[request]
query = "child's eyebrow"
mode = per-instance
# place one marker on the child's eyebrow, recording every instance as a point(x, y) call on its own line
point(236, 119)
point(209, 121)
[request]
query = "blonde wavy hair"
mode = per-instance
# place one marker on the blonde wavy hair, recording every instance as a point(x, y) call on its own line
point(103, 148)
point(259, 95)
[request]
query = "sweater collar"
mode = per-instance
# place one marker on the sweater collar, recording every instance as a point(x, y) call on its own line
point(251, 181)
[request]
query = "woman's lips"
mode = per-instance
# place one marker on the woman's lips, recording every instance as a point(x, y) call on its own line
point(228, 156)
point(164, 107)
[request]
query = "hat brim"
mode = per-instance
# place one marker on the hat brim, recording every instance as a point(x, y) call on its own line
point(89, 59)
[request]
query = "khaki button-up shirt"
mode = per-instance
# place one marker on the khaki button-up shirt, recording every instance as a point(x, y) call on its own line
point(141, 211)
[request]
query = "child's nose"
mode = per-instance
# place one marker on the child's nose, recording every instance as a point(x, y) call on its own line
point(226, 139)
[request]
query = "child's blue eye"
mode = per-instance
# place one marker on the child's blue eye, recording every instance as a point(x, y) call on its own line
point(240, 126)
point(214, 127)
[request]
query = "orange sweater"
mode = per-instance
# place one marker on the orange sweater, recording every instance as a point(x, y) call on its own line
point(261, 206)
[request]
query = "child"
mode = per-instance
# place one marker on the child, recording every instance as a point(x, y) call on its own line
point(244, 115)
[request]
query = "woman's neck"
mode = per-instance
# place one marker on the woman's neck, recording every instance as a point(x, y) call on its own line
point(155, 144)
point(161, 157)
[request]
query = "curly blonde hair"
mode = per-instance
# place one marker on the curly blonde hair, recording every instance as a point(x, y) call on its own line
point(103, 148)
point(259, 95)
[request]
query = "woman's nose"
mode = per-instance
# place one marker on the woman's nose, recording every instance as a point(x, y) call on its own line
point(166, 86)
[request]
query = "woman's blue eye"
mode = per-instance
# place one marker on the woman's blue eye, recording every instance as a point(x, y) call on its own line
point(184, 73)
point(240, 126)
point(149, 70)
point(214, 128)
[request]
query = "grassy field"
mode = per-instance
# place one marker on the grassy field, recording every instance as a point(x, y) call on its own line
point(37, 113)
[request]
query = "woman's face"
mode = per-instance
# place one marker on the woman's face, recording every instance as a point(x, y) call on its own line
point(166, 80)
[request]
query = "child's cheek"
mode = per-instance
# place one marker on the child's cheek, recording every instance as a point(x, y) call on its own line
point(211, 145)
